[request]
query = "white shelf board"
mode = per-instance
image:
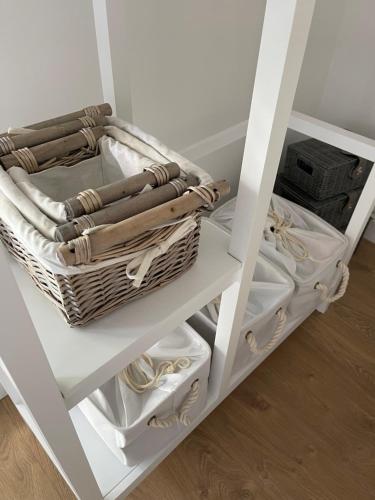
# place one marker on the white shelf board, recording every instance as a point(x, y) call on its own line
point(83, 358)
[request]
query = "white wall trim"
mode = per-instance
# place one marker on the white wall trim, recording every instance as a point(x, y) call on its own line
point(215, 142)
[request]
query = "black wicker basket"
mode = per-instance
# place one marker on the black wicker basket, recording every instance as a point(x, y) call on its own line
point(336, 210)
point(323, 171)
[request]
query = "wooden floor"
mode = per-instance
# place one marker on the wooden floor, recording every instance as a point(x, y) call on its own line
point(301, 427)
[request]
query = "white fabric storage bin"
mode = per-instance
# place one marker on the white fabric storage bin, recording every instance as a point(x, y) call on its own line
point(265, 317)
point(126, 419)
point(305, 246)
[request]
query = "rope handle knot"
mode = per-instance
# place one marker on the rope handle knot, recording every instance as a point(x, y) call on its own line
point(343, 285)
point(278, 332)
point(141, 375)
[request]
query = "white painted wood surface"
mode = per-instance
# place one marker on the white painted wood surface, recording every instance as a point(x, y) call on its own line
point(284, 38)
point(31, 377)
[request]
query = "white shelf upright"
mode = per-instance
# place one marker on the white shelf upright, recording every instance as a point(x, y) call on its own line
point(45, 382)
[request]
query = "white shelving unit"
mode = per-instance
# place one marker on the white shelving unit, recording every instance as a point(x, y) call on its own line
point(47, 367)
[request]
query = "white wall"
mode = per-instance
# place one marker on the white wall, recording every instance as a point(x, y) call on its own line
point(190, 67)
point(348, 98)
point(49, 63)
point(191, 63)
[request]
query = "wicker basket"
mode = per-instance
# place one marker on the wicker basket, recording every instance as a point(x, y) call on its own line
point(336, 210)
point(103, 283)
point(87, 296)
point(323, 171)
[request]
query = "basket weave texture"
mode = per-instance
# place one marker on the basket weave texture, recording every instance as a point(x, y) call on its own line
point(323, 171)
point(336, 210)
point(87, 296)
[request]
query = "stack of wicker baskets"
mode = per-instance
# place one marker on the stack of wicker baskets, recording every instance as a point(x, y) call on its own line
point(92, 207)
point(324, 179)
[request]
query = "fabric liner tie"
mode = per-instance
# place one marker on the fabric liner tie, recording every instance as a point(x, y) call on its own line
point(137, 268)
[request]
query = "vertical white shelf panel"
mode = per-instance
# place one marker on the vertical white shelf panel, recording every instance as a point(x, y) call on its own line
point(284, 38)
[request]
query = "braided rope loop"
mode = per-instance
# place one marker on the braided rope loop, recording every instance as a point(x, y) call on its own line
point(6, 145)
point(324, 290)
point(252, 341)
point(189, 402)
point(182, 416)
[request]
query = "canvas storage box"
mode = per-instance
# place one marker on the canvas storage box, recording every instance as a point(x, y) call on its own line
point(336, 210)
point(265, 318)
point(31, 207)
point(323, 171)
point(303, 245)
point(136, 425)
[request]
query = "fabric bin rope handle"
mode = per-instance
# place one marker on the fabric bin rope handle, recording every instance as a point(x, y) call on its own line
point(279, 330)
point(324, 290)
point(182, 416)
